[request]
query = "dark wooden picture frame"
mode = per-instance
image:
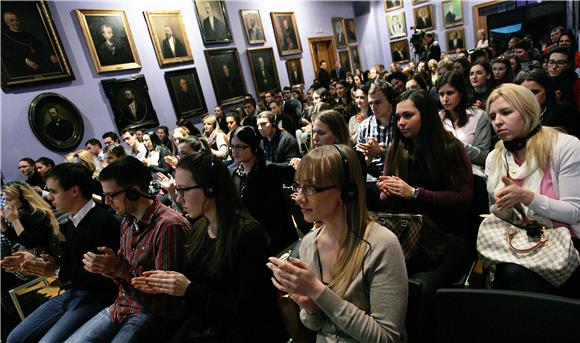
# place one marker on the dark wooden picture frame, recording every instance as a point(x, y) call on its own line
point(32, 26)
point(339, 30)
point(452, 13)
point(344, 60)
point(56, 122)
point(186, 93)
point(118, 52)
point(164, 25)
point(286, 33)
point(120, 92)
point(350, 26)
point(400, 52)
point(391, 5)
point(264, 70)
point(226, 74)
point(253, 26)
point(424, 24)
point(220, 31)
point(355, 56)
point(459, 44)
point(295, 73)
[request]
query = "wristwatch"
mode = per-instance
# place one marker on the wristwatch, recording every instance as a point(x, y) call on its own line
point(416, 192)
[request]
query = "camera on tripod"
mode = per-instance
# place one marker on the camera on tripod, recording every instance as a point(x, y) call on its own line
point(417, 38)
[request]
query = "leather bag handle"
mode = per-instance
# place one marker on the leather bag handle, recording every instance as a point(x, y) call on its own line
point(511, 232)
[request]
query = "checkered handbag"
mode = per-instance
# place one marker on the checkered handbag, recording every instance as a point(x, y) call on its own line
point(415, 232)
point(552, 256)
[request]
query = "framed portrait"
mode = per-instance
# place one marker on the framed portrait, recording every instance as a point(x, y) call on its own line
point(397, 25)
point(253, 26)
point(286, 33)
point(213, 21)
point(295, 74)
point(355, 57)
point(130, 101)
point(393, 5)
point(32, 52)
point(169, 37)
point(400, 51)
point(186, 93)
point(455, 39)
point(344, 59)
point(350, 30)
point(226, 74)
point(415, 2)
point(452, 13)
point(339, 32)
point(424, 18)
point(109, 40)
point(264, 71)
point(56, 122)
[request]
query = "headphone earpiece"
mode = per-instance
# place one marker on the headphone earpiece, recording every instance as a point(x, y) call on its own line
point(349, 191)
point(132, 194)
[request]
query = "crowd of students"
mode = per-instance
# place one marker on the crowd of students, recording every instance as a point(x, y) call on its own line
point(173, 236)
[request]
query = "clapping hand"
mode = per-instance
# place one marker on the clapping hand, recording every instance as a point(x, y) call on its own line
point(161, 281)
point(104, 263)
point(512, 195)
point(395, 186)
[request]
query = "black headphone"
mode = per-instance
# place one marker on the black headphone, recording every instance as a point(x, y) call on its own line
point(133, 195)
point(520, 143)
point(348, 192)
point(209, 189)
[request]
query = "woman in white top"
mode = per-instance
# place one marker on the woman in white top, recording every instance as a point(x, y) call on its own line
point(536, 169)
point(361, 98)
point(468, 124)
point(215, 137)
point(483, 42)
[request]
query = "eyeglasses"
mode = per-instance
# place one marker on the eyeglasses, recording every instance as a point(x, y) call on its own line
point(110, 196)
point(308, 190)
point(559, 63)
point(239, 147)
point(181, 191)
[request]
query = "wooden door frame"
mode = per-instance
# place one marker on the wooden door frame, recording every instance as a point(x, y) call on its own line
point(313, 55)
point(479, 22)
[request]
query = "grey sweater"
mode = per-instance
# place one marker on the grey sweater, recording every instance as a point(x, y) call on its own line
point(374, 314)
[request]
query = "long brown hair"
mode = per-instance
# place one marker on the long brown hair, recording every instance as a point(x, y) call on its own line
point(212, 174)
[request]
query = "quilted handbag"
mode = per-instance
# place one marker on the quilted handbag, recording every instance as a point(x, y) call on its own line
point(416, 233)
point(551, 255)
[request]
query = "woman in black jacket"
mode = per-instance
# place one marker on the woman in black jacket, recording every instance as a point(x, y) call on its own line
point(259, 185)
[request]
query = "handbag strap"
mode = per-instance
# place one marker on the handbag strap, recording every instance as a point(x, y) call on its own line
point(511, 232)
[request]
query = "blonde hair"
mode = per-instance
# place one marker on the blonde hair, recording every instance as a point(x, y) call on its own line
point(539, 147)
point(28, 196)
point(85, 159)
point(326, 166)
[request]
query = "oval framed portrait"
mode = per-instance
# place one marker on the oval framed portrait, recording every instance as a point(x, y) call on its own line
point(56, 121)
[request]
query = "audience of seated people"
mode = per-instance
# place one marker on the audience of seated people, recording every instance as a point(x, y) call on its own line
point(417, 150)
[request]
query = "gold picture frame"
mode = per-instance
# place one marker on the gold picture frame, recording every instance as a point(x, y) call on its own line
point(166, 25)
point(350, 27)
point(391, 5)
point(48, 62)
point(117, 52)
point(452, 13)
point(424, 18)
point(253, 27)
point(286, 33)
point(455, 39)
point(339, 31)
point(295, 73)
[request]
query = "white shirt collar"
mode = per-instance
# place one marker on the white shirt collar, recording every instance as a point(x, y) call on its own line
point(76, 219)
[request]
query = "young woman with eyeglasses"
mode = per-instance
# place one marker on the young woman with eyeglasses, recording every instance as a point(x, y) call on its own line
point(225, 282)
point(561, 70)
point(350, 280)
point(535, 169)
point(259, 184)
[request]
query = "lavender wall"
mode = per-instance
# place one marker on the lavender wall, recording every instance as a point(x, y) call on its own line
point(17, 139)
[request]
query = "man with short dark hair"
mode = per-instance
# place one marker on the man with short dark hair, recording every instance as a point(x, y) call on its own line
point(110, 138)
point(432, 48)
point(89, 227)
point(522, 50)
point(96, 149)
point(323, 75)
point(292, 106)
point(136, 148)
point(153, 237)
point(279, 146)
point(250, 118)
point(281, 118)
point(28, 168)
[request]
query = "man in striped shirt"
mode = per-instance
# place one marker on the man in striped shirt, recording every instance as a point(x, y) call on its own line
point(152, 238)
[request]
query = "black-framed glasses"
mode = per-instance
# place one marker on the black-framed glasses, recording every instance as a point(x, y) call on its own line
point(309, 190)
point(181, 190)
point(239, 147)
point(110, 196)
point(559, 63)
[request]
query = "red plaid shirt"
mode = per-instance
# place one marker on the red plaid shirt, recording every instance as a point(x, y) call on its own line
point(156, 242)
